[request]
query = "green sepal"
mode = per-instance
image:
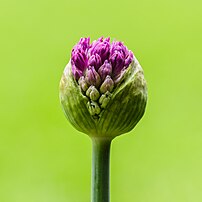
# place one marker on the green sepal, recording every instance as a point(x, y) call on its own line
point(127, 104)
point(74, 103)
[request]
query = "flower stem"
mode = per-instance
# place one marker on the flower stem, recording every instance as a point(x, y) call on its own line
point(100, 169)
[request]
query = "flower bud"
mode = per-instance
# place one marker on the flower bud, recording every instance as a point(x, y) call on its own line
point(92, 77)
point(82, 83)
point(103, 97)
point(117, 60)
point(105, 69)
point(79, 59)
point(84, 43)
point(128, 59)
point(93, 108)
point(77, 72)
point(101, 47)
point(95, 61)
point(107, 85)
point(118, 46)
point(93, 93)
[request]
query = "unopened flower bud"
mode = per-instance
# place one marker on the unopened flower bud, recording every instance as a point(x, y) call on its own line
point(107, 85)
point(101, 47)
point(95, 61)
point(129, 59)
point(93, 93)
point(118, 46)
point(103, 98)
point(93, 108)
point(84, 43)
point(79, 59)
point(105, 69)
point(117, 60)
point(77, 72)
point(83, 84)
point(92, 77)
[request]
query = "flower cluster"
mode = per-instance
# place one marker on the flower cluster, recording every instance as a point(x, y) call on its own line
point(96, 67)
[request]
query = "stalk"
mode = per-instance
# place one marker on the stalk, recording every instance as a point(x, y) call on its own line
point(101, 169)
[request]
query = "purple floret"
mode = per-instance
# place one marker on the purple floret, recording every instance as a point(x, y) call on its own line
point(95, 60)
point(105, 69)
point(105, 58)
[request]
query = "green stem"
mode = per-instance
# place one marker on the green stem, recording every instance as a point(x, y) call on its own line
point(100, 169)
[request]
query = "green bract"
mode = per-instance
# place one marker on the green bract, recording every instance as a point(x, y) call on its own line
point(107, 113)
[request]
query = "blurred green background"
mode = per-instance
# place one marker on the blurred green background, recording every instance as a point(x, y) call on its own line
point(43, 158)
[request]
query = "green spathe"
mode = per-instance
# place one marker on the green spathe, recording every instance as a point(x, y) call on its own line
point(125, 108)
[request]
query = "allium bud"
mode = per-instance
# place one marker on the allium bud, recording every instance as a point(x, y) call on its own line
point(77, 72)
point(128, 59)
point(93, 108)
point(103, 91)
point(93, 93)
point(107, 85)
point(118, 46)
point(92, 77)
point(100, 47)
point(84, 43)
point(83, 84)
point(117, 60)
point(79, 59)
point(105, 69)
point(104, 99)
point(95, 61)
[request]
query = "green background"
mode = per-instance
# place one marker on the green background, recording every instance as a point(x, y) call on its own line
point(43, 158)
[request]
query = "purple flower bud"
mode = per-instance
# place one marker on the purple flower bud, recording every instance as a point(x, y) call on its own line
point(92, 77)
point(117, 60)
point(129, 58)
point(79, 59)
point(105, 69)
point(95, 60)
point(106, 58)
point(103, 91)
point(76, 72)
point(100, 47)
point(118, 46)
point(85, 43)
point(107, 85)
